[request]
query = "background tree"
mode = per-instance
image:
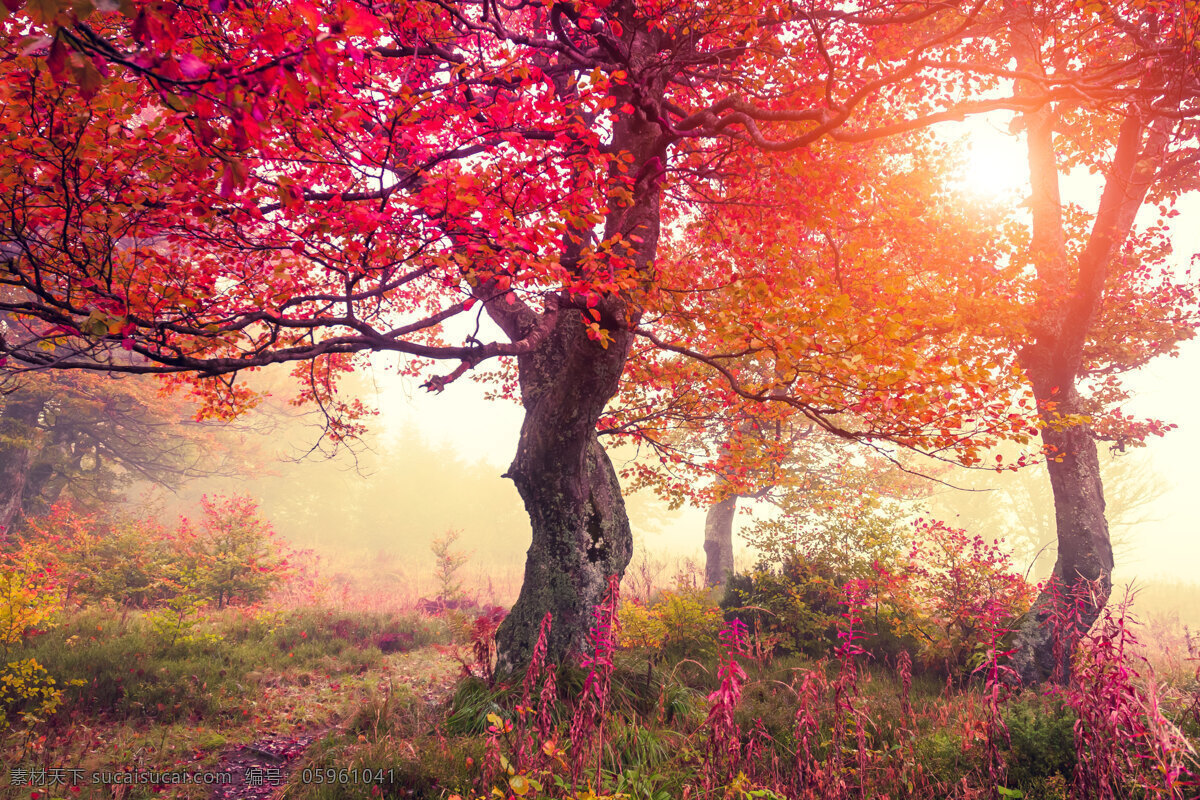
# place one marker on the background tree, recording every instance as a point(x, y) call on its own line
point(90, 437)
point(1018, 506)
point(1135, 126)
point(107, 434)
point(879, 283)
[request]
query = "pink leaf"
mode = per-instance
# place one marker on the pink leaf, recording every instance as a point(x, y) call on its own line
point(192, 67)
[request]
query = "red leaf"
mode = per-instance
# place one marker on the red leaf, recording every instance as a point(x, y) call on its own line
point(226, 189)
point(56, 61)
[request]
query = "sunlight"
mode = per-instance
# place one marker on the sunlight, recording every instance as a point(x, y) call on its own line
point(994, 163)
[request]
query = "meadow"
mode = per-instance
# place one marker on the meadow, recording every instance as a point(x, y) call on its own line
point(137, 670)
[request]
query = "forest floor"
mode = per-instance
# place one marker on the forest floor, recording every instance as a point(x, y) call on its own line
point(227, 711)
point(325, 704)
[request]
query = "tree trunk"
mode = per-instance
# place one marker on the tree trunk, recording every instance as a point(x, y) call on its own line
point(718, 541)
point(43, 485)
point(1070, 289)
point(581, 533)
point(1083, 568)
point(18, 447)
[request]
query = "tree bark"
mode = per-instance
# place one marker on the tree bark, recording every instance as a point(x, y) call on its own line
point(581, 533)
point(1083, 568)
point(718, 541)
point(18, 447)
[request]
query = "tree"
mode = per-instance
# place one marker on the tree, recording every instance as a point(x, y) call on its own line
point(18, 444)
point(234, 557)
point(1134, 125)
point(875, 284)
point(257, 183)
point(1089, 295)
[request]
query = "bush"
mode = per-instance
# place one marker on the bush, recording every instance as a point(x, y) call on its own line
point(1042, 749)
point(682, 623)
point(934, 603)
point(229, 557)
point(796, 604)
point(30, 600)
point(952, 588)
point(232, 552)
point(117, 557)
point(26, 688)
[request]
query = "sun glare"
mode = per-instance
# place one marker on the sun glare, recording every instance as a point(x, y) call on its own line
point(995, 160)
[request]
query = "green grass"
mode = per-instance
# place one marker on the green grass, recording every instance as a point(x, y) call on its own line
point(385, 731)
point(130, 697)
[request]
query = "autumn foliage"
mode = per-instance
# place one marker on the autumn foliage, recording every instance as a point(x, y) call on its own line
point(229, 556)
point(731, 221)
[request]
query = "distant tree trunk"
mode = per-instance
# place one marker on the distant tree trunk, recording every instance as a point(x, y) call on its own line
point(43, 486)
point(718, 541)
point(18, 448)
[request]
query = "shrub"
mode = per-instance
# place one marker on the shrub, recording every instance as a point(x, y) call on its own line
point(952, 589)
point(448, 560)
point(30, 599)
point(1042, 744)
point(682, 623)
point(114, 557)
point(176, 622)
point(797, 603)
point(935, 602)
point(231, 556)
point(233, 552)
point(26, 688)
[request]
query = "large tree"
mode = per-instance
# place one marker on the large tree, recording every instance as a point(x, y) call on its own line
point(90, 437)
point(1103, 301)
point(206, 189)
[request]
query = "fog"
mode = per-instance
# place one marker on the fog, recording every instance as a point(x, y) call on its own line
point(434, 463)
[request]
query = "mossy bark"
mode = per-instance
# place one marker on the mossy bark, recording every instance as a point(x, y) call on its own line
point(580, 530)
point(581, 533)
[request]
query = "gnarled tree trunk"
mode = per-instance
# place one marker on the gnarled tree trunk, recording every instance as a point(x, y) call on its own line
point(1085, 556)
point(581, 533)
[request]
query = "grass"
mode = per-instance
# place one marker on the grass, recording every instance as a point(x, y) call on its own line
point(132, 700)
point(380, 692)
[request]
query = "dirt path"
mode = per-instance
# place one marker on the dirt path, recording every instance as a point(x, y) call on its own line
point(260, 770)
